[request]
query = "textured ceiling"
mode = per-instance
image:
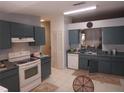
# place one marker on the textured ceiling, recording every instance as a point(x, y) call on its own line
point(47, 8)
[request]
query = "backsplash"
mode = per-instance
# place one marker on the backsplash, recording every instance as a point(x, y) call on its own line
point(18, 47)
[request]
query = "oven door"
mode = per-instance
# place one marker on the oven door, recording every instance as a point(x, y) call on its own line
point(29, 73)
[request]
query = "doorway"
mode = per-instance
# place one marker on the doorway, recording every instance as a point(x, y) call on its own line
point(46, 49)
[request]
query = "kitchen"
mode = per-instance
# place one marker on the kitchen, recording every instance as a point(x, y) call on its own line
point(21, 58)
point(99, 47)
point(43, 50)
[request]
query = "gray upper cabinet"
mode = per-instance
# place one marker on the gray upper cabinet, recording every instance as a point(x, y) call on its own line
point(5, 38)
point(39, 36)
point(21, 30)
point(113, 35)
point(74, 37)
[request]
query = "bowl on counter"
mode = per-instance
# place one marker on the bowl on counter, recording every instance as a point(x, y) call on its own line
point(2, 65)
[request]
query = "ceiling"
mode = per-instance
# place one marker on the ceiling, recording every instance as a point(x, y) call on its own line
point(37, 8)
point(47, 8)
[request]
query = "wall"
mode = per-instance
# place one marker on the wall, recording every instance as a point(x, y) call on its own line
point(18, 47)
point(26, 19)
point(119, 48)
point(98, 23)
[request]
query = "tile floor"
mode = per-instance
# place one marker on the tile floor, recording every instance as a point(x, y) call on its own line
point(63, 79)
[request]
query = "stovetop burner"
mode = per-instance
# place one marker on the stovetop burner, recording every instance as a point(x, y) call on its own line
point(25, 60)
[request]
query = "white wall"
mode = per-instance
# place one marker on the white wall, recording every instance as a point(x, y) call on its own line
point(20, 18)
point(98, 23)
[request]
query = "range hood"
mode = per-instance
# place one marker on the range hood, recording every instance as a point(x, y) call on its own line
point(21, 40)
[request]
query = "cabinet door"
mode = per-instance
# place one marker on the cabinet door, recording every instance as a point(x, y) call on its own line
point(21, 30)
point(93, 66)
point(45, 67)
point(39, 36)
point(10, 80)
point(83, 62)
point(109, 34)
point(118, 68)
point(104, 67)
point(5, 39)
point(74, 37)
point(11, 83)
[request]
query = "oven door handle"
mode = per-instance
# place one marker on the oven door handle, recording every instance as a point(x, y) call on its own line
point(31, 65)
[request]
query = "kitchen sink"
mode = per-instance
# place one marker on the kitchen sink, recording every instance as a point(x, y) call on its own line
point(90, 53)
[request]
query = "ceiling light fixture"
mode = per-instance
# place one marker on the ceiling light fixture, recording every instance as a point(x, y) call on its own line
point(42, 20)
point(80, 10)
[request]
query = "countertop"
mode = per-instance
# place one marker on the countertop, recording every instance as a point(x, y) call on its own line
point(9, 66)
point(42, 56)
point(119, 56)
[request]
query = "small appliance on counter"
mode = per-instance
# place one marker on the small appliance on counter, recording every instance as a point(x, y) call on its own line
point(114, 51)
point(2, 66)
point(6, 65)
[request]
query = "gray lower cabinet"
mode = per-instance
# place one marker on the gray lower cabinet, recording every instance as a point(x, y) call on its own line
point(5, 38)
point(39, 36)
point(10, 80)
point(118, 68)
point(45, 67)
point(104, 66)
point(93, 65)
point(74, 37)
point(83, 62)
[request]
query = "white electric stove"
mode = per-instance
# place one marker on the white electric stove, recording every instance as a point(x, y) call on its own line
point(29, 70)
